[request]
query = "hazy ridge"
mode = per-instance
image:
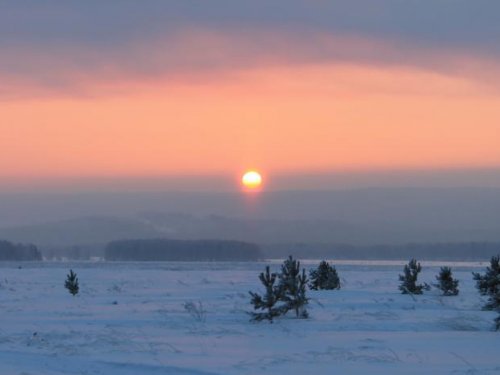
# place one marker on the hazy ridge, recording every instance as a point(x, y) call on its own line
point(363, 218)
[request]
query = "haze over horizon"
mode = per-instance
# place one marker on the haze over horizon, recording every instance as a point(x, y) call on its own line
point(299, 181)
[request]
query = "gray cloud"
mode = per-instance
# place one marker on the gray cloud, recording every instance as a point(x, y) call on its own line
point(459, 23)
point(58, 44)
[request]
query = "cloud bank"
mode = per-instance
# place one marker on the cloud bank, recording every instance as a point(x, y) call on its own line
point(77, 48)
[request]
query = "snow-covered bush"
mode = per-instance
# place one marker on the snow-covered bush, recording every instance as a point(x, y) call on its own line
point(324, 277)
point(71, 283)
point(446, 282)
point(409, 279)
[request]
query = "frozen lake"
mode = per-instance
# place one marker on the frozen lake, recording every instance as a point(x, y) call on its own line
point(130, 319)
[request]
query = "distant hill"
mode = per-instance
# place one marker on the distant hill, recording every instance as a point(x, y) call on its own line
point(81, 231)
point(358, 217)
point(90, 231)
point(361, 218)
point(181, 250)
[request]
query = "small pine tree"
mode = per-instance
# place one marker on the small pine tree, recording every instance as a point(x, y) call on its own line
point(409, 279)
point(269, 302)
point(446, 282)
point(324, 277)
point(489, 284)
point(293, 285)
point(72, 283)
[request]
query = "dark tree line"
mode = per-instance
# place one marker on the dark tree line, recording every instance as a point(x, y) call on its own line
point(18, 252)
point(428, 251)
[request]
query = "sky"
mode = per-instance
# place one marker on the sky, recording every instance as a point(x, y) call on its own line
point(92, 92)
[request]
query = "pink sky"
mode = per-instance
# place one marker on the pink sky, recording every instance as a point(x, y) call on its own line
point(276, 119)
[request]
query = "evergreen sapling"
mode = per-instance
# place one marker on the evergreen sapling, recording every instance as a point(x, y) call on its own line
point(293, 285)
point(268, 303)
point(72, 283)
point(446, 282)
point(489, 284)
point(409, 279)
point(324, 277)
point(284, 292)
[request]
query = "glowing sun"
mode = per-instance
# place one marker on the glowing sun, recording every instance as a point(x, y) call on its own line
point(251, 180)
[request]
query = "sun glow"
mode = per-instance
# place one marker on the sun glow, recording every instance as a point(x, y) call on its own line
point(252, 180)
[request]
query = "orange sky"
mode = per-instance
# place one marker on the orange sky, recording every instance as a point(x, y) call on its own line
point(99, 90)
point(296, 118)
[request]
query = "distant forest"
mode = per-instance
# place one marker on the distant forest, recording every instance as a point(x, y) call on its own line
point(472, 251)
point(18, 252)
point(181, 250)
point(199, 250)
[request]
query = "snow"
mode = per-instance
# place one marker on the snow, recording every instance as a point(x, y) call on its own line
point(130, 318)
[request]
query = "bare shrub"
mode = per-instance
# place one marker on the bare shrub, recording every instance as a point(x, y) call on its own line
point(196, 310)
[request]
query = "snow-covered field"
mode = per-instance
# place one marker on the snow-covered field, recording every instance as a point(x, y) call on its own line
point(130, 319)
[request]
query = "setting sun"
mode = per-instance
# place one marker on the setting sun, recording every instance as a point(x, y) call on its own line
point(252, 180)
